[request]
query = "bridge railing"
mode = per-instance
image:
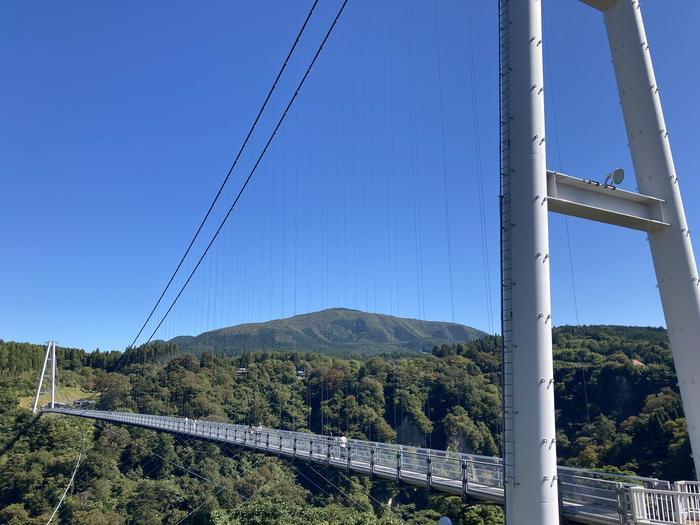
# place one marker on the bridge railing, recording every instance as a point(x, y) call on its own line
point(601, 489)
point(691, 487)
point(464, 473)
point(671, 507)
point(639, 499)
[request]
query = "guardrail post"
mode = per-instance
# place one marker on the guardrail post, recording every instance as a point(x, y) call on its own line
point(680, 501)
point(399, 456)
point(625, 505)
point(560, 494)
point(371, 460)
point(465, 480)
point(429, 475)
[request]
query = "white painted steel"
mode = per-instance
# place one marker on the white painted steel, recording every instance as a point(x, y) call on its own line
point(531, 491)
point(41, 377)
point(53, 374)
point(671, 249)
point(665, 506)
point(598, 202)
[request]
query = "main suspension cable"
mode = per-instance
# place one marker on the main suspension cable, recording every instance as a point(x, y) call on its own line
point(228, 174)
point(255, 166)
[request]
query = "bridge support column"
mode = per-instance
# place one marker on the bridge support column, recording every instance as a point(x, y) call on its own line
point(530, 459)
point(41, 377)
point(53, 374)
point(671, 249)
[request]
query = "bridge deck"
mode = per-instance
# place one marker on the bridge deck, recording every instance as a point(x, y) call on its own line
point(587, 496)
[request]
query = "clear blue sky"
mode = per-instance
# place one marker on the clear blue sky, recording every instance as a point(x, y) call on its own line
point(120, 119)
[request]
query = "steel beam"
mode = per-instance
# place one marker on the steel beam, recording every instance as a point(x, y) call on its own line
point(592, 200)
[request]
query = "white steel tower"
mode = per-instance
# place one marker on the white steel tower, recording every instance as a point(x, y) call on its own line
point(671, 250)
point(529, 191)
point(530, 459)
point(50, 354)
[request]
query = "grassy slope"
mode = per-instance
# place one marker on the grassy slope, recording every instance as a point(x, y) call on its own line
point(66, 392)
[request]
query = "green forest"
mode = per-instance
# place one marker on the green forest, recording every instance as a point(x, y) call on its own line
point(617, 402)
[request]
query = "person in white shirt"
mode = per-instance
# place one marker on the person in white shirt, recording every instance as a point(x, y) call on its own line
point(343, 446)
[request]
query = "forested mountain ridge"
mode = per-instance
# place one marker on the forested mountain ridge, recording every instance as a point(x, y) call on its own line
point(617, 406)
point(333, 331)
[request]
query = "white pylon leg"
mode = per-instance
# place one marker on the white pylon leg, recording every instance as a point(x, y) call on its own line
point(53, 373)
point(671, 249)
point(41, 377)
point(530, 446)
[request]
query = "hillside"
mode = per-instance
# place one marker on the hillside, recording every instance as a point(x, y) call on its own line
point(616, 396)
point(334, 331)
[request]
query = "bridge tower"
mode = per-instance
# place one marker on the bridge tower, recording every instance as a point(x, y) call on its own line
point(671, 249)
point(529, 191)
point(529, 446)
point(50, 354)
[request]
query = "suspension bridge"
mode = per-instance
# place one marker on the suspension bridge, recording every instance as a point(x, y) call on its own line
point(586, 496)
point(527, 479)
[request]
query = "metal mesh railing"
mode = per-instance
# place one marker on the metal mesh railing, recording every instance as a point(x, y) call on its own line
point(649, 500)
point(599, 489)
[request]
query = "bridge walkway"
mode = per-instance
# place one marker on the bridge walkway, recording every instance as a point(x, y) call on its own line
point(587, 496)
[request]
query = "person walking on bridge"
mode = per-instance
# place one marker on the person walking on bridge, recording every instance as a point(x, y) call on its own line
point(343, 446)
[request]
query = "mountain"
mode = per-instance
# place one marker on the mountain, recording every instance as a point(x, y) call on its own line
point(333, 331)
